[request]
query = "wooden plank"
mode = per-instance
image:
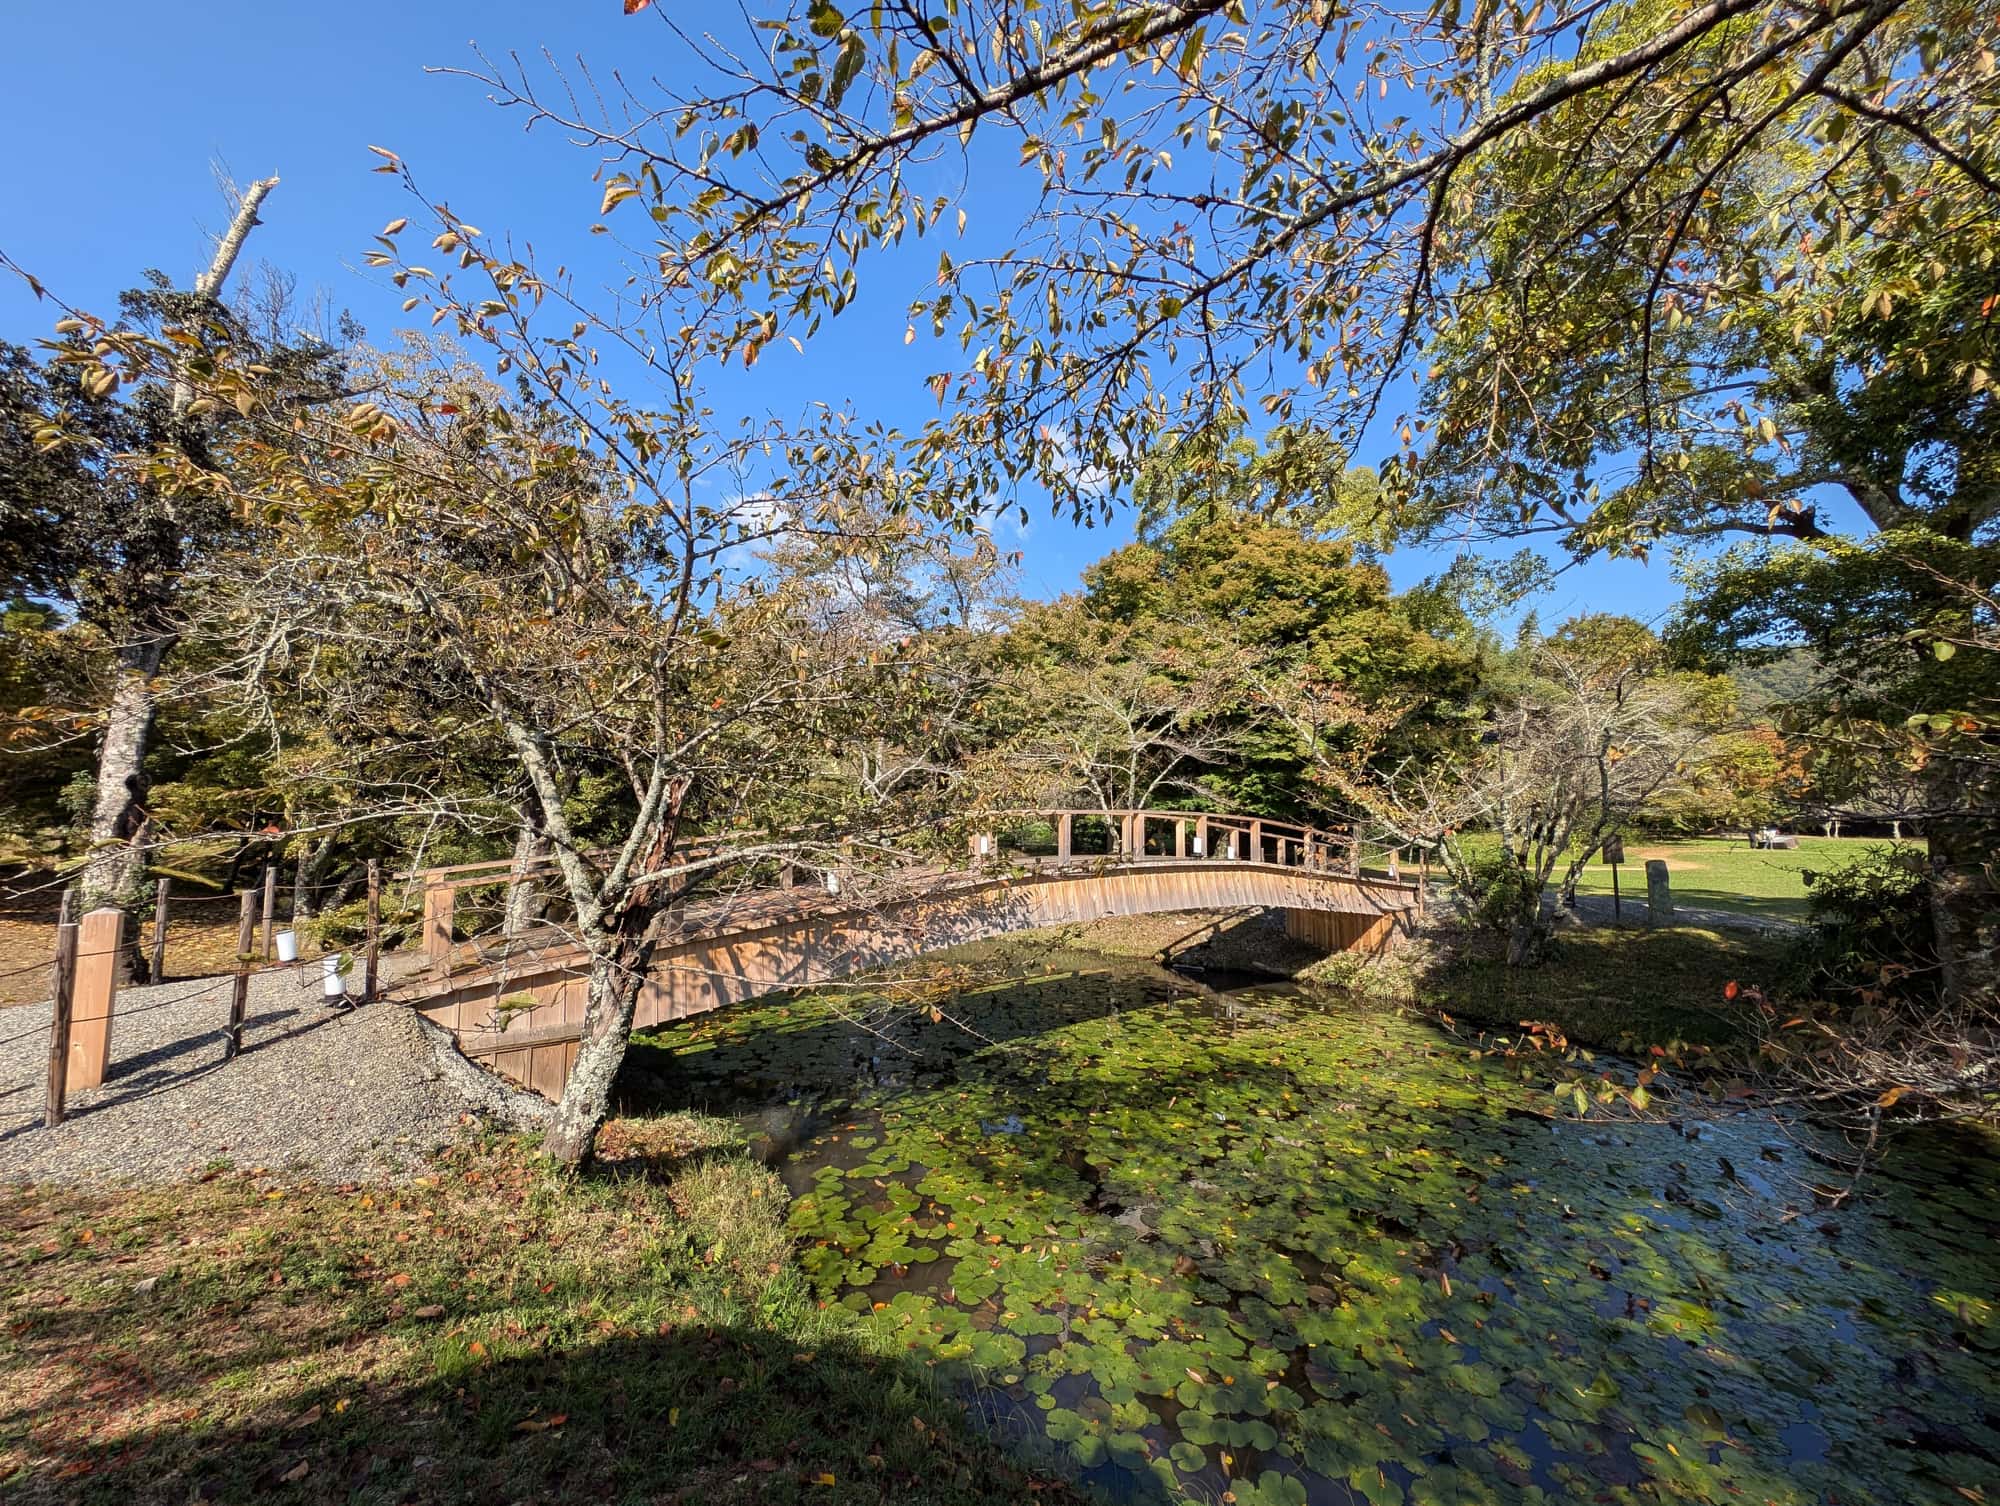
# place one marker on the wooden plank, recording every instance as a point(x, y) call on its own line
point(371, 974)
point(270, 909)
point(100, 939)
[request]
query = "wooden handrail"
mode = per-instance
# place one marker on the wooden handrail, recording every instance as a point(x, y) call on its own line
point(1298, 846)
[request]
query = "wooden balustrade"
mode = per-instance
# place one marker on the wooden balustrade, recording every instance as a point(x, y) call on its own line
point(1197, 836)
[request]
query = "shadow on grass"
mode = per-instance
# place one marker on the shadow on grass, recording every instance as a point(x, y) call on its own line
point(1607, 986)
point(493, 1331)
point(694, 1414)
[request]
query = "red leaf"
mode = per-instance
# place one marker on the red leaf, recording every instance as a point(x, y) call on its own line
point(633, 7)
point(1731, 989)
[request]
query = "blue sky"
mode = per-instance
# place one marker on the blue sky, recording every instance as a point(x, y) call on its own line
point(116, 112)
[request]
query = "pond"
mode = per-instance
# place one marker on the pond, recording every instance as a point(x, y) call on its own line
point(1267, 1244)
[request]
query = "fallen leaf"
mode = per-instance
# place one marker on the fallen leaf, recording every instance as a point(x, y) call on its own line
point(296, 1473)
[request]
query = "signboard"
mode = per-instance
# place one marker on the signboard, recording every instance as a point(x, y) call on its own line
point(1614, 849)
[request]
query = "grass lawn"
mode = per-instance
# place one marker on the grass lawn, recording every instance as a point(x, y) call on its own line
point(1723, 873)
point(1610, 987)
point(494, 1331)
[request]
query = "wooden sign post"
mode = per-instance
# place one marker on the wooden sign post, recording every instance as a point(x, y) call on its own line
point(1614, 854)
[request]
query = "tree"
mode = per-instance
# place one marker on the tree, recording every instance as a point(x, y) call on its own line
point(1905, 633)
point(569, 580)
point(1743, 780)
point(1105, 714)
point(1298, 609)
point(1221, 220)
point(1582, 731)
point(114, 546)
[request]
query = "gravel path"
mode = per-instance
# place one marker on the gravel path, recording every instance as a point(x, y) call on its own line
point(321, 1093)
point(1597, 910)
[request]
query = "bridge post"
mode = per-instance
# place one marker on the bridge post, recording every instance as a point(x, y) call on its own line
point(1063, 836)
point(1256, 842)
point(440, 899)
point(1201, 836)
point(1180, 837)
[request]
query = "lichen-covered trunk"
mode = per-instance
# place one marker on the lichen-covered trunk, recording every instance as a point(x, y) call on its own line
point(617, 973)
point(114, 874)
point(1964, 838)
point(524, 895)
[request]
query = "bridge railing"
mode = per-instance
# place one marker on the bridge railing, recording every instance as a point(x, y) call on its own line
point(1136, 835)
point(1128, 836)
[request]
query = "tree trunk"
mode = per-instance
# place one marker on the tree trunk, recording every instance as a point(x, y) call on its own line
point(115, 872)
point(307, 870)
point(617, 973)
point(1525, 939)
point(1964, 833)
point(525, 901)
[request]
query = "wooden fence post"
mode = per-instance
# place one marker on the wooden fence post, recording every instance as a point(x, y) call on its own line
point(99, 938)
point(1201, 837)
point(246, 946)
point(62, 996)
point(1256, 853)
point(1064, 836)
point(270, 908)
point(1180, 837)
point(157, 971)
point(372, 969)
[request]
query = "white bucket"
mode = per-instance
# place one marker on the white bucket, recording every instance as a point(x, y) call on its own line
point(331, 985)
point(288, 946)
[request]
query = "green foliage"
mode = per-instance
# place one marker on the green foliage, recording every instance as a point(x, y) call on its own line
point(1873, 934)
point(1307, 613)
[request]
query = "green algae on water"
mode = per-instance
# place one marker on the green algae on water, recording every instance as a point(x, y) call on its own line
point(1274, 1245)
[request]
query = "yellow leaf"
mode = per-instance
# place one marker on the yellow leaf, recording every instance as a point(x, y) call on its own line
point(824, 1478)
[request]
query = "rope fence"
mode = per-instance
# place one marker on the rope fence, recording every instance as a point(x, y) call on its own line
point(92, 955)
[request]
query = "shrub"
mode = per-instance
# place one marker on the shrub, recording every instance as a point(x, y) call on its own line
point(1870, 931)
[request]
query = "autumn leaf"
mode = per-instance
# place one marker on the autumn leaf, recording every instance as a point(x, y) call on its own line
point(633, 7)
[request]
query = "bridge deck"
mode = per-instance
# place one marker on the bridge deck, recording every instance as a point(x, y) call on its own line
point(520, 1005)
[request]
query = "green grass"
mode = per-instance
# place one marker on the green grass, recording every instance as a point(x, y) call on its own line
point(1608, 987)
point(494, 1331)
point(1722, 873)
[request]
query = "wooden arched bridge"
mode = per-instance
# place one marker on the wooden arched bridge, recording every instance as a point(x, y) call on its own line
point(517, 1001)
